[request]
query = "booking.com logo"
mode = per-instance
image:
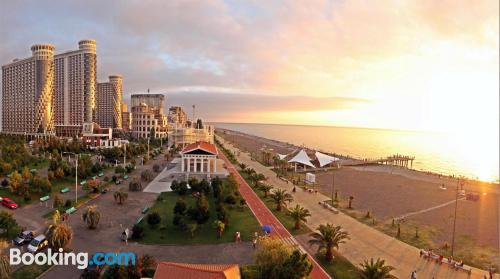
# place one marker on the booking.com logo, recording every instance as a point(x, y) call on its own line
point(81, 260)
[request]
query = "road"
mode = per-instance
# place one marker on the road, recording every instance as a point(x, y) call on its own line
point(265, 216)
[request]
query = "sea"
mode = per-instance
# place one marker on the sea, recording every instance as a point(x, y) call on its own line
point(443, 153)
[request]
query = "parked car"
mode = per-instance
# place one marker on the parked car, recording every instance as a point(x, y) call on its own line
point(23, 238)
point(38, 243)
point(9, 203)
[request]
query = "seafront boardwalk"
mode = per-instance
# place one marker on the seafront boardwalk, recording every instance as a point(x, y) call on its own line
point(366, 242)
point(266, 217)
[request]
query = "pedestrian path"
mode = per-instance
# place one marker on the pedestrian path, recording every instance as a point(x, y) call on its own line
point(366, 242)
point(266, 217)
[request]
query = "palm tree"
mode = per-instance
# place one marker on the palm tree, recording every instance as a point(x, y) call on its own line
point(91, 216)
point(266, 188)
point(299, 215)
point(376, 270)
point(59, 235)
point(280, 197)
point(328, 237)
point(243, 166)
point(120, 196)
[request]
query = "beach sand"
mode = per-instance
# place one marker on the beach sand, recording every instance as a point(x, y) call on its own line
point(390, 192)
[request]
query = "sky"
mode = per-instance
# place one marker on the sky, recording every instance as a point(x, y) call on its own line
point(413, 64)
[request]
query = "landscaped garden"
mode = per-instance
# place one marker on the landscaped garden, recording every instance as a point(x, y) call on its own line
point(199, 214)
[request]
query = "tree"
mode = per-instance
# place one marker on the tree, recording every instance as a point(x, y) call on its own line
point(116, 272)
point(153, 219)
point(147, 175)
point(26, 174)
point(5, 269)
point(42, 185)
point(202, 207)
point(15, 182)
point(120, 196)
point(376, 270)
point(8, 223)
point(58, 201)
point(328, 237)
point(280, 197)
point(59, 235)
point(91, 216)
point(147, 263)
point(219, 226)
point(180, 207)
point(299, 215)
point(59, 173)
point(134, 185)
point(270, 255)
point(297, 266)
point(265, 188)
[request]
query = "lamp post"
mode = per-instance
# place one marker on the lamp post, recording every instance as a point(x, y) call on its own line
point(454, 221)
point(76, 174)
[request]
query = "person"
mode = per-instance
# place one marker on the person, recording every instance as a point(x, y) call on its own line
point(413, 275)
point(294, 189)
point(490, 271)
point(254, 242)
point(238, 237)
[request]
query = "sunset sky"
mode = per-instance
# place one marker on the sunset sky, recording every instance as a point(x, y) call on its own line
point(424, 65)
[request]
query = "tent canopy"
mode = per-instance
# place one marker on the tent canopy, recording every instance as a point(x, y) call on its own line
point(324, 159)
point(302, 158)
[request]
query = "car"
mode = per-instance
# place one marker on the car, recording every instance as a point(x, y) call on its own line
point(23, 238)
point(9, 203)
point(38, 243)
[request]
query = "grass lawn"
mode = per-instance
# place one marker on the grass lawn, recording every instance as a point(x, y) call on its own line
point(29, 271)
point(240, 219)
point(340, 267)
point(283, 216)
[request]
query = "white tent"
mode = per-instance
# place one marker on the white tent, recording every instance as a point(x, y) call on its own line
point(324, 159)
point(302, 158)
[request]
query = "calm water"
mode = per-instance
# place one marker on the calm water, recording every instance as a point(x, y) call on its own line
point(475, 157)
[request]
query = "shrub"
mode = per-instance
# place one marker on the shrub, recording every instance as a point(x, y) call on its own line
point(119, 169)
point(135, 185)
point(230, 199)
point(68, 203)
point(106, 179)
point(156, 168)
point(27, 196)
point(137, 232)
point(178, 220)
point(147, 175)
point(153, 218)
point(180, 207)
point(5, 182)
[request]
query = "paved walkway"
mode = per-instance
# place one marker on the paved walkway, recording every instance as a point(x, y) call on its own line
point(366, 242)
point(265, 216)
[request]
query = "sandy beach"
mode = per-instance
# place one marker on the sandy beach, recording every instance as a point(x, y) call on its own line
point(390, 192)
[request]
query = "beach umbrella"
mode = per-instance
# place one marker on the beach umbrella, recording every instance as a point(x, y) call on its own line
point(267, 228)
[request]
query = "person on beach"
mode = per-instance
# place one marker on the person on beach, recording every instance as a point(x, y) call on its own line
point(413, 275)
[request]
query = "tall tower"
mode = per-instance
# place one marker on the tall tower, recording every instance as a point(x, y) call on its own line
point(109, 102)
point(75, 89)
point(28, 93)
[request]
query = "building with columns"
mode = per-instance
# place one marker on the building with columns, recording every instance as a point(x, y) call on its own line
point(199, 158)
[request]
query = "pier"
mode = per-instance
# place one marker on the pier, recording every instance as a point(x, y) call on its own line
point(394, 160)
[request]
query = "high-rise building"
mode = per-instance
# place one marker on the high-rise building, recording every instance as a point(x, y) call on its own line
point(147, 115)
point(154, 101)
point(28, 93)
point(75, 88)
point(109, 102)
point(126, 118)
point(177, 116)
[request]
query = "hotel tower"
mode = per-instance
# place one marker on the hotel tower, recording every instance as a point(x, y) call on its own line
point(28, 93)
point(109, 102)
point(75, 88)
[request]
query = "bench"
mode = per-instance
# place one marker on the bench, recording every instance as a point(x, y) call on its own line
point(139, 220)
point(94, 177)
point(100, 174)
point(144, 210)
point(71, 210)
point(125, 177)
point(44, 198)
point(64, 190)
point(83, 182)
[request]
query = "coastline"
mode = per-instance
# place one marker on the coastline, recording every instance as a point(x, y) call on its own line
point(430, 176)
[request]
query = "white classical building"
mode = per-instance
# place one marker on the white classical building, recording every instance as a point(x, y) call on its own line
point(199, 157)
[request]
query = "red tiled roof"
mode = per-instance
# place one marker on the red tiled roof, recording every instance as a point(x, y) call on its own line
point(202, 145)
point(169, 270)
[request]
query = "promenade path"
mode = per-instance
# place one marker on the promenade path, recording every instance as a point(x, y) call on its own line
point(266, 217)
point(366, 242)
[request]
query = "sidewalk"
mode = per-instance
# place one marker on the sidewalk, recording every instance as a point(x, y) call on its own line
point(366, 242)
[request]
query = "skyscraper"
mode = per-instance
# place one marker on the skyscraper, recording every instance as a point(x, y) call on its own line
point(75, 88)
point(109, 101)
point(28, 93)
point(126, 118)
point(148, 116)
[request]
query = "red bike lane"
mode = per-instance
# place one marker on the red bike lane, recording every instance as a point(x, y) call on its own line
point(266, 217)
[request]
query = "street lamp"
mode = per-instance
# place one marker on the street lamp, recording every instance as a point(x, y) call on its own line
point(76, 174)
point(333, 182)
point(455, 220)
